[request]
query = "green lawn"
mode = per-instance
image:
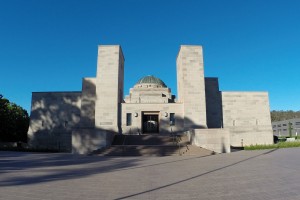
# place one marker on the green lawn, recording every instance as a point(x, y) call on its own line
point(274, 146)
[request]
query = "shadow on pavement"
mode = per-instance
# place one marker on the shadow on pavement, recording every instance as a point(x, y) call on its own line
point(55, 166)
point(194, 177)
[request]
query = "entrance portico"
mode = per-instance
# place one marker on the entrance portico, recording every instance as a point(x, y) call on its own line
point(150, 122)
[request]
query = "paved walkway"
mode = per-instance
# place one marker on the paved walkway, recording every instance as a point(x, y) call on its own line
point(244, 175)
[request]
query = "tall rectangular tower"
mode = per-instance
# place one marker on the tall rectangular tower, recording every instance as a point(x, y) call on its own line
point(191, 86)
point(109, 87)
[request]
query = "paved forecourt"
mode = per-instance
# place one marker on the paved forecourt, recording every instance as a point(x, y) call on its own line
point(268, 174)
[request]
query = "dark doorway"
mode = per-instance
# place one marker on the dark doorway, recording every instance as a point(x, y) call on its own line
point(150, 122)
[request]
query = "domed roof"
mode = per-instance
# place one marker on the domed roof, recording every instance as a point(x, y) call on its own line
point(151, 80)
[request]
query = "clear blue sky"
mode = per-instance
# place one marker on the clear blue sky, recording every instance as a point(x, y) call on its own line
point(251, 45)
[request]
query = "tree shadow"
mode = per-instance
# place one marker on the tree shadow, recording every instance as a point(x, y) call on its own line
point(53, 116)
point(62, 166)
point(65, 121)
point(55, 167)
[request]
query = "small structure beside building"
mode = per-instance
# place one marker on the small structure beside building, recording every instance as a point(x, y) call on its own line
point(286, 127)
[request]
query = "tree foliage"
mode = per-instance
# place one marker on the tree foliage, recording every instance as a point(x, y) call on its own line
point(14, 122)
point(284, 115)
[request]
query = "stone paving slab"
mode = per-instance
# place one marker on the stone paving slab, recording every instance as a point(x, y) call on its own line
point(259, 175)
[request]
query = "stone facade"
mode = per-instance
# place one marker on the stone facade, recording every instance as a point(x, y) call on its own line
point(54, 115)
point(88, 120)
point(163, 111)
point(217, 140)
point(109, 87)
point(247, 116)
point(191, 86)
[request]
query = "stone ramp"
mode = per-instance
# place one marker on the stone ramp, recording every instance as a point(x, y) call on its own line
point(191, 150)
point(152, 145)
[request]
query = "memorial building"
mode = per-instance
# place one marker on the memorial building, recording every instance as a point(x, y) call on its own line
point(86, 120)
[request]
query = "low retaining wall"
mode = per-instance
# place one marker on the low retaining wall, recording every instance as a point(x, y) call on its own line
point(87, 140)
point(241, 136)
point(57, 139)
point(217, 140)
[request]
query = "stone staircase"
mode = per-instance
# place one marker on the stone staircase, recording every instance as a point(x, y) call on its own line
point(152, 145)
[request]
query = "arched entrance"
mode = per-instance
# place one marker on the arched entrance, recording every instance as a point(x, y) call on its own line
point(150, 122)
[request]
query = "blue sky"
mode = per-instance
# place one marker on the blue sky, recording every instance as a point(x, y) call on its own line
point(251, 45)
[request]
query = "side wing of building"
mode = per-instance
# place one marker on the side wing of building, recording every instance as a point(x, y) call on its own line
point(53, 117)
point(247, 116)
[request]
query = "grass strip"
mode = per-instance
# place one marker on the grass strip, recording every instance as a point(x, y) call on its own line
point(273, 146)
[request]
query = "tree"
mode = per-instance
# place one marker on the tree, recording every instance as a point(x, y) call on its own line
point(14, 122)
point(284, 115)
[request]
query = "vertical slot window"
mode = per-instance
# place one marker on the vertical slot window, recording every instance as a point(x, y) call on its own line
point(172, 119)
point(128, 119)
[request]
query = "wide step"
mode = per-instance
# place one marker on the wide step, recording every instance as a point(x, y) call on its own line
point(152, 145)
point(143, 140)
point(140, 150)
